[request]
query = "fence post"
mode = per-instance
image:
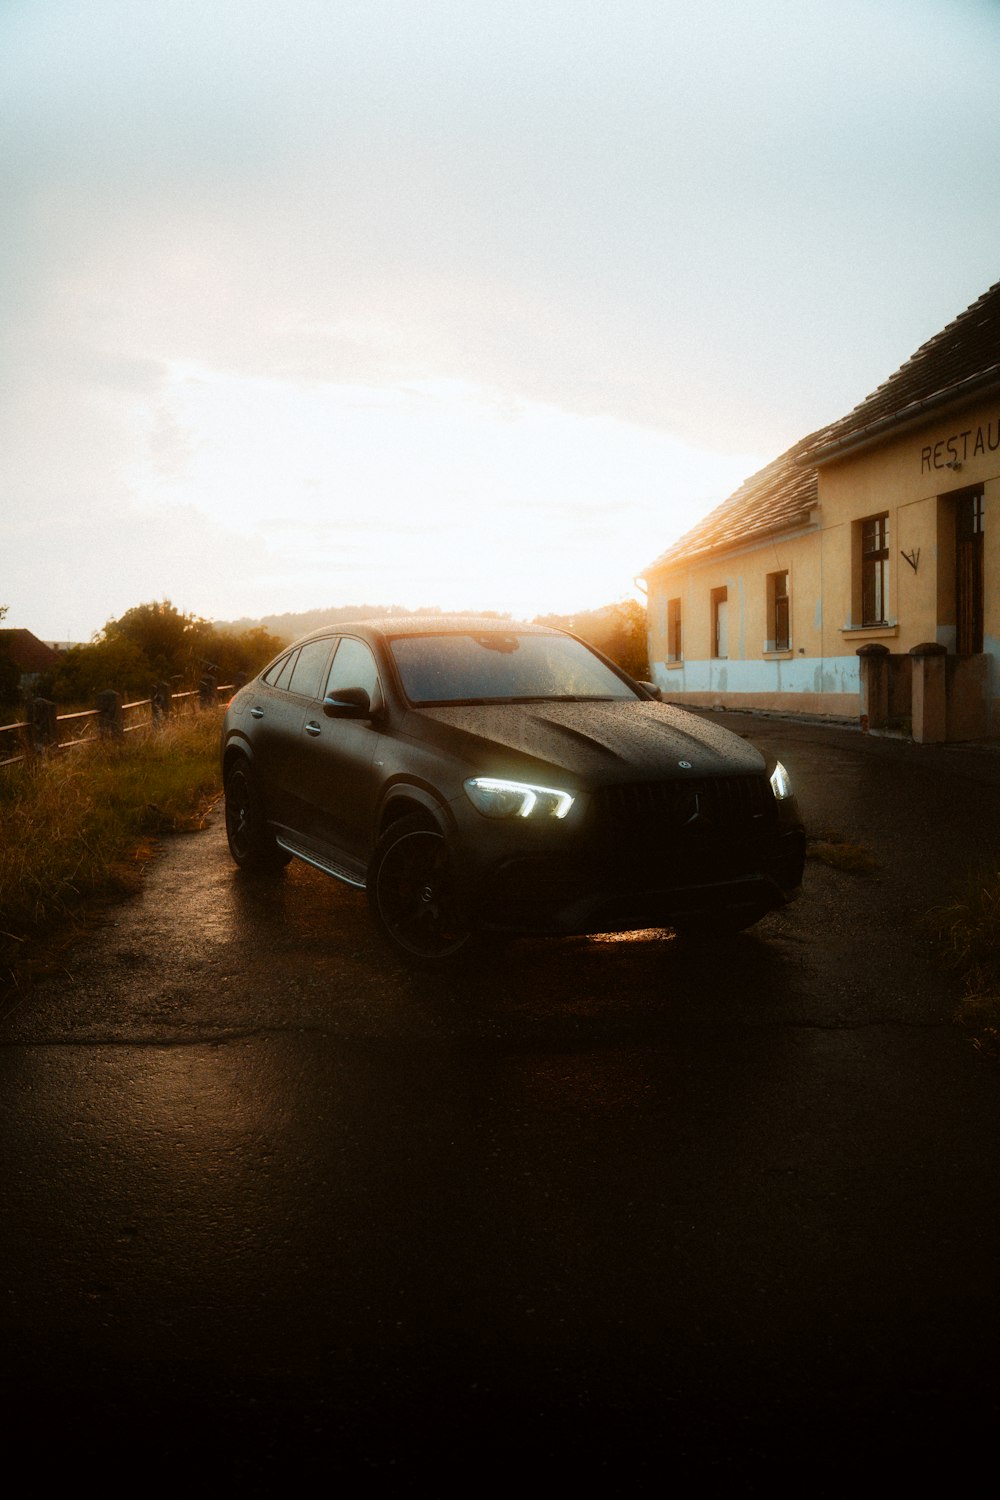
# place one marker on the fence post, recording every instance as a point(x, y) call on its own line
point(161, 700)
point(42, 730)
point(208, 690)
point(112, 720)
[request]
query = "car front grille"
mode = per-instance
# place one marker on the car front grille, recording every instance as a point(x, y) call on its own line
point(664, 807)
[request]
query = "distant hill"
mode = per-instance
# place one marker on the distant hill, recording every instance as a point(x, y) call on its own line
point(291, 626)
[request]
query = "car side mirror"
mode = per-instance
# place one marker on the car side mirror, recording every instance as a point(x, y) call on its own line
point(652, 690)
point(348, 703)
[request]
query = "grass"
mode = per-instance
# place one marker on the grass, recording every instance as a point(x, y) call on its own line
point(79, 827)
point(967, 932)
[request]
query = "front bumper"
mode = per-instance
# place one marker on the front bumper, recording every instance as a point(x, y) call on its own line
point(735, 876)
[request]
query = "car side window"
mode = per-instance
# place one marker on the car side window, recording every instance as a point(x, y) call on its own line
point(354, 666)
point(307, 674)
point(278, 675)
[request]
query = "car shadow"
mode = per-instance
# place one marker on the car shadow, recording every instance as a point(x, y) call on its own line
point(620, 980)
point(595, 986)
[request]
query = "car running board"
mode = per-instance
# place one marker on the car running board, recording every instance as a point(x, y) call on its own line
point(319, 862)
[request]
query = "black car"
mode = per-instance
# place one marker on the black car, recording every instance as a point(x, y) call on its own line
point(474, 776)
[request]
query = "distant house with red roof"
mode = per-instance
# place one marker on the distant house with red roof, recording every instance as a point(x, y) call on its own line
point(30, 656)
point(834, 581)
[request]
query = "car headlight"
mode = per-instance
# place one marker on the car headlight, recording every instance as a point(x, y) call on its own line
point(517, 799)
point(781, 782)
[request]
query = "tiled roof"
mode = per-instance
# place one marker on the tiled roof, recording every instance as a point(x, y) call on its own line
point(962, 359)
point(26, 651)
point(776, 498)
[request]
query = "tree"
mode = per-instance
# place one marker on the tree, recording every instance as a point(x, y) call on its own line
point(85, 671)
point(244, 652)
point(174, 645)
point(619, 630)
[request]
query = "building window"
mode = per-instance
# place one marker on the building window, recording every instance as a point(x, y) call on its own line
point(874, 570)
point(720, 623)
point(778, 635)
point(674, 651)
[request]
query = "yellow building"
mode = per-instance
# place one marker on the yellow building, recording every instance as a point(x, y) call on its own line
point(856, 577)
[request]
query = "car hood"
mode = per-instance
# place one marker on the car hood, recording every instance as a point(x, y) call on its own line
point(633, 740)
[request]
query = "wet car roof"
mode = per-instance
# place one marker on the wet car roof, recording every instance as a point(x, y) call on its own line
point(387, 625)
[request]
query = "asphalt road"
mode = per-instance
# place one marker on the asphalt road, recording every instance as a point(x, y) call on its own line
point(621, 1213)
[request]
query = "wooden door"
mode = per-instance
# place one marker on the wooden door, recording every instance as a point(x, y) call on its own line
point(969, 573)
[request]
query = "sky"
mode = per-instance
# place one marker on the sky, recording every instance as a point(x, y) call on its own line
point(467, 304)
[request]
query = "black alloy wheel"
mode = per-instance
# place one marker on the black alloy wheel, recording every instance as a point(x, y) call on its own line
point(412, 895)
point(251, 842)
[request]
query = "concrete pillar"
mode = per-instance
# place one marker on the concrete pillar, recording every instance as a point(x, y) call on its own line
point(930, 697)
point(874, 667)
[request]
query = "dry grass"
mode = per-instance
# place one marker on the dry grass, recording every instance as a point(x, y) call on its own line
point(80, 826)
point(830, 849)
point(967, 932)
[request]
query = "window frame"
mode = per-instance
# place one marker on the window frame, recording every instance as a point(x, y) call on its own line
point(874, 570)
point(675, 630)
point(332, 684)
point(719, 596)
point(779, 611)
point(309, 653)
point(279, 674)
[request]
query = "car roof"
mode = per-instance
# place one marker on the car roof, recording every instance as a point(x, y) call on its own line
point(454, 625)
point(389, 625)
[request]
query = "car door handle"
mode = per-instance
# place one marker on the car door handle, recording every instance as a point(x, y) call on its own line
point(313, 728)
point(256, 713)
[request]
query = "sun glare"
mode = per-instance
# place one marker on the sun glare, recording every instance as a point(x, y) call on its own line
point(428, 493)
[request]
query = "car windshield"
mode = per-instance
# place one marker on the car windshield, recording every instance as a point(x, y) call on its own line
point(496, 667)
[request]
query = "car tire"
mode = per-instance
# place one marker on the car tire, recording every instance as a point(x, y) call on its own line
point(413, 897)
point(251, 842)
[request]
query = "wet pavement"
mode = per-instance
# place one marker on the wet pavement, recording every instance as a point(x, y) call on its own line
point(623, 1211)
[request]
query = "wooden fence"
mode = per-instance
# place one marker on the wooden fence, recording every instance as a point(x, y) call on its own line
point(44, 731)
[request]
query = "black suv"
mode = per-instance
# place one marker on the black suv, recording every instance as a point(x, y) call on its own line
point(474, 775)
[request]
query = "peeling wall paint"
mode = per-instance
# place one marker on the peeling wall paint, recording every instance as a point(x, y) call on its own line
point(797, 675)
point(991, 645)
